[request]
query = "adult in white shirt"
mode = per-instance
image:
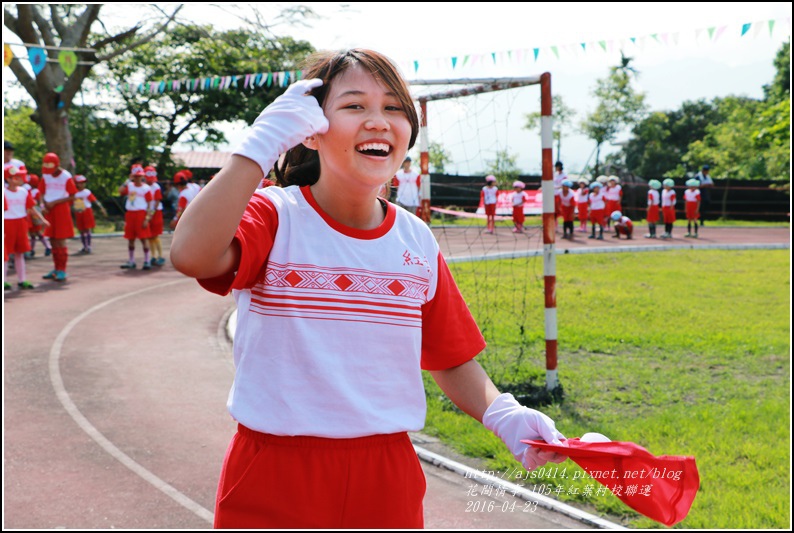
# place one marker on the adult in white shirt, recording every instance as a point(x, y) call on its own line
point(706, 184)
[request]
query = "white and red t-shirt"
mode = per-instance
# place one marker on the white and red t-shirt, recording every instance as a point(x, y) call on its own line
point(17, 203)
point(157, 195)
point(668, 198)
point(567, 200)
point(597, 200)
point(582, 195)
point(57, 187)
point(138, 196)
point(186, 196)
point(334, 324)
point(407, 187)
point(518, 198)
point(613, 194)
point(83, 200)
point(692, 195)
point(653, 197)
point(489, 194)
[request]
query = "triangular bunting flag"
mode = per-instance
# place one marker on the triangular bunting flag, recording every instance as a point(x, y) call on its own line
point(536, 51)
point(719, 32)
point(655, 37)
point(554, 49)
point(771, 27)
point(465, 60)
point(664, 38)
point(493, 56)
point(603, 45)
point(746, 28)
point(584, 47)
point(675, 38)
point(757, 29)
point(711, 32)
point(416, 66)
point(454, 62)
point(38, 59)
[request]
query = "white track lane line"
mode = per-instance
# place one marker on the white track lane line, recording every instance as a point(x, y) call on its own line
point(93, 432)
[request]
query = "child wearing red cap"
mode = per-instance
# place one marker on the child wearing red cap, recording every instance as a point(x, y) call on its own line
point(156, 223)
point(186, 195)
point(18, 204)
point(57, 193)
point(583, 204)
point(83, 208)
point(138, 215)
point(567, 200)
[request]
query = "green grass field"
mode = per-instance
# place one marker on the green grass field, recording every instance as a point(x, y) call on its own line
point(682, 352)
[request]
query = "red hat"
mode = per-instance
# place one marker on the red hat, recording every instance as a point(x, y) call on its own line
point(79, 178)
point(33, 180)
point(50, 162)
point(659, 487)
point(180, 177)
point(137, 170)
point(187, 173)
point(151, 174)
point(14, 170)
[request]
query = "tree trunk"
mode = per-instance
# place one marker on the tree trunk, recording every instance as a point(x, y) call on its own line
point(55, 126)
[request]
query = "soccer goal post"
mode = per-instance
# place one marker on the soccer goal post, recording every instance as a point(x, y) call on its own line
point(472, 86)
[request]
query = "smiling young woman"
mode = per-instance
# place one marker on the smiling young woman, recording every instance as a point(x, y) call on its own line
point(342, 299)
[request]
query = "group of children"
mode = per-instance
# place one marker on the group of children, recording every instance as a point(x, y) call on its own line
point(600, 203)
point(41, 209)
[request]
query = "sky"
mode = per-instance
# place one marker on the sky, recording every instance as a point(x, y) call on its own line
point(698, 52)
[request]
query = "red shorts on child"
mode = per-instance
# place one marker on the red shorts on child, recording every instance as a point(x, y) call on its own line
point(60, 219)
point(653, 214)
point(669, 214)
point(133, 225)
point(274, 482)
point(16, 239)
point(692, 212)
point(84, 220)
point(156, 224)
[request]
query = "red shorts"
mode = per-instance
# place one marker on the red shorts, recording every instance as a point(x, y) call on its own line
point(518, 215)
point(133, 225)
point(60, 219)
point(156, 224)
point(84, 220)
point(624, 229)
point(612, 205)
point(597, 216)
point(567, 213)
point(692, 211)
point(653, 214)
point(582, 212)
point(277, 482)
point(15, 235)
point(490, 209)
point(668, 213)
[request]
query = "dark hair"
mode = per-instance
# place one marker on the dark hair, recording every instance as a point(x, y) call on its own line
point(300, 165)
point(558, 164)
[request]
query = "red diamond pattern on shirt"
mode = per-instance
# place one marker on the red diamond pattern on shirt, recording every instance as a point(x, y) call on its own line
point(293, 278)
point(396, 287)
point(343, 282)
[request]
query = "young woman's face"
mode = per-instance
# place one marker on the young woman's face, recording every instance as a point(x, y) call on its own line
point(368, 132)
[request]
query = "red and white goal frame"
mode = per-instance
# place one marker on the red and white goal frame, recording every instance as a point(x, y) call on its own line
point(482, 85)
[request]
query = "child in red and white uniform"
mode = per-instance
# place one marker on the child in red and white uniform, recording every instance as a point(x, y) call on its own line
point(597, 210)
point(138, 215)
point(654, 200)
point(488, 198)
point(156, 223)
point(186, 195)
point(18, 204)
point(582, 204)
point(518, 206)
point(692, 206)
point(567, 200)
point(668, 208)
point(330, 288)
point(623, 225)
point(613, 195)
point(83, 208)
point(35, 228)
point(57, 193)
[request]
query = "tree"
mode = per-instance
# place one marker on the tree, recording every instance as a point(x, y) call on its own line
point(438, 157)
point(56, 27)
point(562, 115)
point(780, 88)
point(619, 106)
point(504, 168)
point(26, 137)
point(189, 52)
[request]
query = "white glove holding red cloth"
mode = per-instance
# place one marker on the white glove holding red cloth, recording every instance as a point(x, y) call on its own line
point(285, 123)
point(660, 487)
point(512, 422)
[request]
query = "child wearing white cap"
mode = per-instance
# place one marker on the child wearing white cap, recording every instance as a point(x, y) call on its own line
point(488, 196)
point(518, 206)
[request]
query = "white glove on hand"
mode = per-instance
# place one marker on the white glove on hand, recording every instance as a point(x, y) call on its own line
point(285, 123)
point(512, 422)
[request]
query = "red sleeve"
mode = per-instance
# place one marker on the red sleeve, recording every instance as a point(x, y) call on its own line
point(148, 196)
point(395, 182)
point(157, 195)
point(5, 203)
point(418, 181)
point(42, 186)
point(182, 204)
point(450, 336)
point(71, 188)
point(254, 236)
point(92, 198)
point(29, 201)
point(123, 190)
